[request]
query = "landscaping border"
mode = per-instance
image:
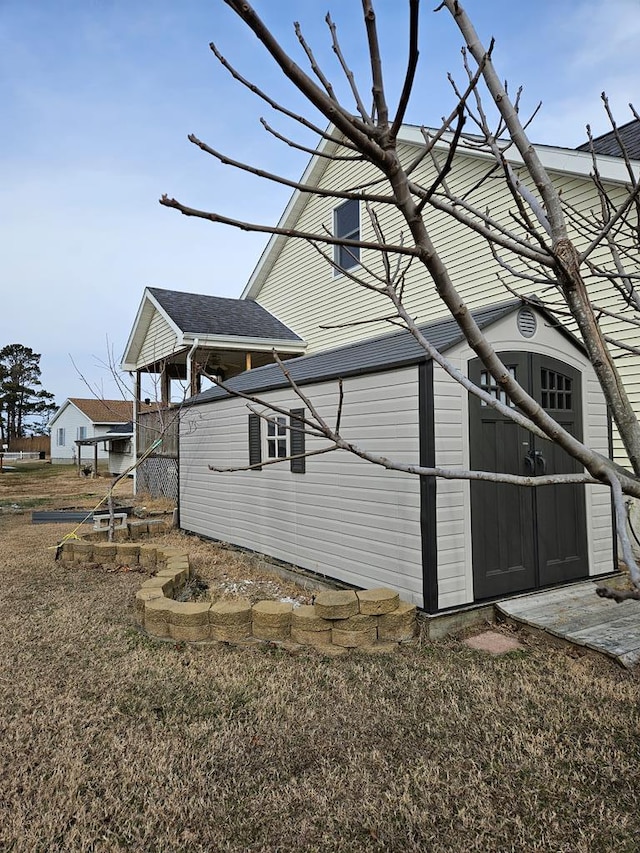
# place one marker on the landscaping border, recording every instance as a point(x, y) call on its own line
point(375, 620)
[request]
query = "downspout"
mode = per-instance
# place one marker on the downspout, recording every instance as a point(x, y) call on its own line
point(192, 352)
point(136, 410)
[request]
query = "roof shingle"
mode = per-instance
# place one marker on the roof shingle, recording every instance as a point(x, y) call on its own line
point(383, 353)
point(106, 411)
point(608, 144)
point(216, 315)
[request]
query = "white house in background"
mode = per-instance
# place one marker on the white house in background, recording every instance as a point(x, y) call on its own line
point(79, 419)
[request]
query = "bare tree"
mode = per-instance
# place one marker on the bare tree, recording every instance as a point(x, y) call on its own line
point(543, 241)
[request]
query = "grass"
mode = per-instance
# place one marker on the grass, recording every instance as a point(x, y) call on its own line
point(112, 742)
point(40, 484)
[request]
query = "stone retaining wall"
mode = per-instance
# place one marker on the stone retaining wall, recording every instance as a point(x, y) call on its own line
point(129, 530)
point(373, 619)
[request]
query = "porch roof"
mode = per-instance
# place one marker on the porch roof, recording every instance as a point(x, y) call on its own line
point(214, 322)
point(116, 433)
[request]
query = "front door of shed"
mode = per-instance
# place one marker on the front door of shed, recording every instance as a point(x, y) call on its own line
point(524, 538)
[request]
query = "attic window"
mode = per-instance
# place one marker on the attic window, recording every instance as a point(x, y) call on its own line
point(346, 224)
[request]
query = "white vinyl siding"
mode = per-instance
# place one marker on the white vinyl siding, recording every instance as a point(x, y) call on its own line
point(159, 342)
point(302, 291)
point(120, 456)
point(345, 518)
point(70, 421)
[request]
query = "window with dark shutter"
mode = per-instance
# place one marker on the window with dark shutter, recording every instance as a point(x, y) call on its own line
point(276, 438)
point(255, 441)
point(346, 224)
point(298, 466)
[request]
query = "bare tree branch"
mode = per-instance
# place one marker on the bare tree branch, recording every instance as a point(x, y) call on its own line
point(412, 65)
point(278, 179)
point(366, 118)
point(272, 103)
point(313, 152)
point(287, 232)
point(533, 239)
point(380, 109)
point(314, 65)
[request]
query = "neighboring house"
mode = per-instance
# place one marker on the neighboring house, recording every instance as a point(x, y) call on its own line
point(443, 543)
point(80, 419)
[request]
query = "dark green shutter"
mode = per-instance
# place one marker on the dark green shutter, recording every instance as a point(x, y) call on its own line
point(297, 441)
point(255, 441)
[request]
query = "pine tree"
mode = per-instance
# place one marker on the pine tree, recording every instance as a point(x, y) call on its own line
point(21, 394)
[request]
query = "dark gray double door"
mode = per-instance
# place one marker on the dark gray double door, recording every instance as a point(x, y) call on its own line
point(525, 538)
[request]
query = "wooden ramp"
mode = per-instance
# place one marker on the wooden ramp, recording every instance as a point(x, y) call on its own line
point(576, 614)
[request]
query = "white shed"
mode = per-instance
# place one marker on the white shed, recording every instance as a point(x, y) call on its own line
point(440, 543)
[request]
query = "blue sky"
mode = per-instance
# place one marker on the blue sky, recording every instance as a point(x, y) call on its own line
point(98, 97)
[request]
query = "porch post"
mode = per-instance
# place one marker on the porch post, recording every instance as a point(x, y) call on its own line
point(136, 413)
point(165, 386)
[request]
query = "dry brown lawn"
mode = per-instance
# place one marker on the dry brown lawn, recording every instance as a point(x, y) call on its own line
point(111, 742)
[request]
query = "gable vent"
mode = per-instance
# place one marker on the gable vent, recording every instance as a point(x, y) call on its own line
point(527, 323)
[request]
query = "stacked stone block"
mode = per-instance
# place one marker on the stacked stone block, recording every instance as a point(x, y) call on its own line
point(128, 529)
point(370, 619)
point(335, 621)
point(230, 620)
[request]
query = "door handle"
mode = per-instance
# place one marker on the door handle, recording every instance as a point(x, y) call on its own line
point(534, 460)
point(541, 462)
point(530, 463)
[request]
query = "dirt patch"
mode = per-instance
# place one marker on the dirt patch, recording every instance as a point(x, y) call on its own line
point(232, 574)
point(56, 486)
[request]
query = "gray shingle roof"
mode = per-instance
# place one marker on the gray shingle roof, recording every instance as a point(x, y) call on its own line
point(399, 349)
point(216, 315)
point(607, 143)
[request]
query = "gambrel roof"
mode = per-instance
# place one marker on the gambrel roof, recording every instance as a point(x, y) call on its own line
point(386, 352)
point(177, 320)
